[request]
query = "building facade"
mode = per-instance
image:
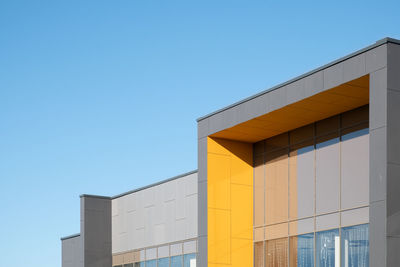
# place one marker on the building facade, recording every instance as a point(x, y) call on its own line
point(304, 174)
point(150, 226)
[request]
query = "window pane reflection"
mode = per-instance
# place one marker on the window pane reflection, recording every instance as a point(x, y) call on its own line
point(176, 261)
point(164, 262)
point(151, 263)
point(258, 254)
point(276, 253)
point(189, 260)
point(302, 251)
point(355, 246)
point(327, 248)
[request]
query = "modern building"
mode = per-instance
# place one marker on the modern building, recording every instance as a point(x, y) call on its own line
point(305, 174)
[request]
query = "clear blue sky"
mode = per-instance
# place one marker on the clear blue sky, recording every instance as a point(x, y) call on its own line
point(101, 97)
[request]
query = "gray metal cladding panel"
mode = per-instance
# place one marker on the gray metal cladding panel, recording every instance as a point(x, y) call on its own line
point(377, 233)
point(354, 68)
point(72, 252)
point(295, 91)
point(393, 126)
point(393, 66)
point(327, 176)
point(378, 99)
point(377, 164)
point(96, 231)
point(393, 200)
point(333, 76)
point(393, 255)
point(355, 170)
point(164, 213)
point(202, 256)
point(376, 58)
point(314, 83)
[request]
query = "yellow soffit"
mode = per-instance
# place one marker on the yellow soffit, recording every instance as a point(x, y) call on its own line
point(331, 102)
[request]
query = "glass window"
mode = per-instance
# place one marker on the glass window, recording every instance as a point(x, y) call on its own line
point(302, 134)
point(163, 262)
point(327, 175)
point(277, 142)
point(259, 254)
point(151, 263)
point(177, 261)
point(258, 147)
point(276, 187)
point(128, 265)
point(355, 168)
point(302, 251)
point(301, 180)
point(328, 126)
point(139, 264)
point(355, 116)
point(355, 246)
point(276, 253)
point(189, 260)
point(327, 248)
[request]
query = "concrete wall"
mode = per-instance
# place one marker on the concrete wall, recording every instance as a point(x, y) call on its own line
point(72, 251)
point(96, 231)
point(156, 215)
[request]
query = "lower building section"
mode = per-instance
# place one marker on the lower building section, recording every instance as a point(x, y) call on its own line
point(347, 247)
point(179, 254)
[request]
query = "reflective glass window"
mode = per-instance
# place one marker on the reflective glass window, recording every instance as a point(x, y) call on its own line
point(151, 263)
point(328, 126)
point(189, 260)
point(302, 251)
point(355, 116)
point(355, 246)
point(276, 253)
point(177, 261)
point(128, 265)
point(163, 262)
point(258, 254)
point(277, 142)
point(139, 264)
point(328, 248)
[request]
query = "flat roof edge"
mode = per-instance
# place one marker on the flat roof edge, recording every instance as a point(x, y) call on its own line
point(94, 196)
point(70, 236)
point(363, 50)
point(154, 184)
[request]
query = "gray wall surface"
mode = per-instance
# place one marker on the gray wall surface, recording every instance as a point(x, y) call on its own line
point(72, 252)
point(96, 231)
point(156, 215)
point(393, 155)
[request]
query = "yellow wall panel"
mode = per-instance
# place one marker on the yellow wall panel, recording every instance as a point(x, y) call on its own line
point(219, 236)
point(230, 203)
point(242, 252)
point(242, 211)
point(219, 189)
